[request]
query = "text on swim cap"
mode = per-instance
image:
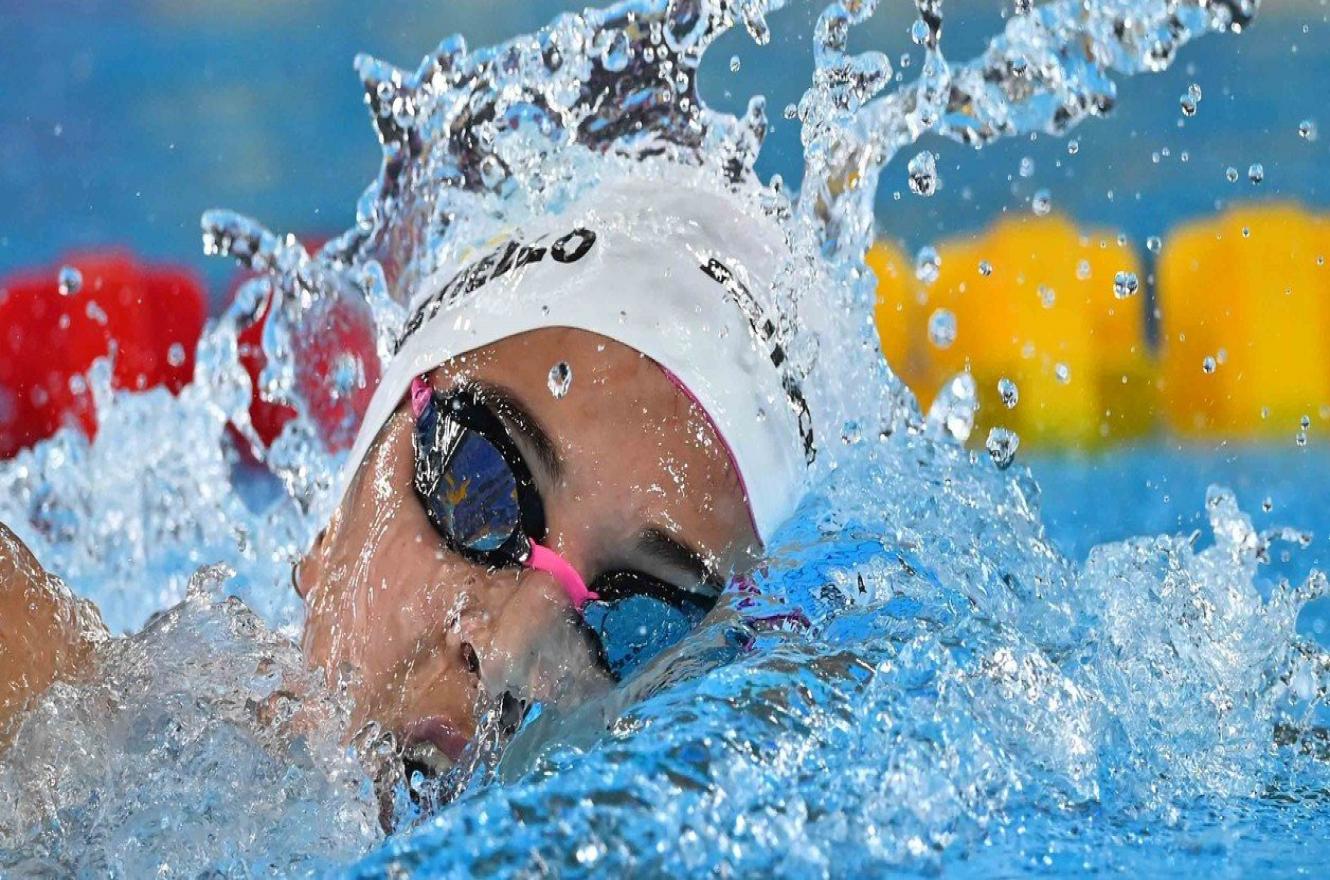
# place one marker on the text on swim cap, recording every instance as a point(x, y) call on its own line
point(513, 254)
point(766, 336)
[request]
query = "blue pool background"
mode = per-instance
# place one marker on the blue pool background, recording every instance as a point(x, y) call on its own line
point(122, 120)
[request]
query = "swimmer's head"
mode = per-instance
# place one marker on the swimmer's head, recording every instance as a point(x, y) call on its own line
point(620, 361)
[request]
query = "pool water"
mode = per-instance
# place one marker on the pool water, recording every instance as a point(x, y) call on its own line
point(955, 660)
point(963, 699)
point(1154, 487)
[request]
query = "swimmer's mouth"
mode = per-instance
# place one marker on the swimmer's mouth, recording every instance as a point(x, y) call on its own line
point(437, 762)
point(432, 745)
point(436, 748)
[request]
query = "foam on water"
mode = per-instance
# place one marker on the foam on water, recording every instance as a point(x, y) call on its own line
point(921, 680)
point(200, 743)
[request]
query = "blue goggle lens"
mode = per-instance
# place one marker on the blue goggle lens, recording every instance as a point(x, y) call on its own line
point(634, 629)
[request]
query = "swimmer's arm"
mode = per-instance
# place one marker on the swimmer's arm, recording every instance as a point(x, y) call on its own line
point(45, 633)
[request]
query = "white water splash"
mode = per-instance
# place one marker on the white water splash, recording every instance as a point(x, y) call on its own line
point(923, 679)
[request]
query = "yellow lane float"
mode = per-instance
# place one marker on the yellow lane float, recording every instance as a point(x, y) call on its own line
point(1244, 304)
point(1058, 313)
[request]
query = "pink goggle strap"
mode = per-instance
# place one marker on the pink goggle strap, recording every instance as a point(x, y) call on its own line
point(546, 560)
point(420, 394)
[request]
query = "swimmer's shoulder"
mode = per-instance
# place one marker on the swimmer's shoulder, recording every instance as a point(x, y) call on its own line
point(45, 632)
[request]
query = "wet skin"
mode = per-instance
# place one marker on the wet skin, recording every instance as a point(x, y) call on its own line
point(634, 478)
point(44, 631)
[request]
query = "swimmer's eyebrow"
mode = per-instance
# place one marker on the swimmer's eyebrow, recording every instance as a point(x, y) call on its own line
point(526, 426)
point(657, 544)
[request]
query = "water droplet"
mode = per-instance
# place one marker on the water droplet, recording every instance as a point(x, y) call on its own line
point(1073, 147)
point(927, 264)
point(919, 32)
point(923, 174)
point(1305, 421)
point(942, 328)
point(1188, 105)
point(791, 110)
point(1125, 284)
point(754, 21)
point(1041, 203)
point(1300, 438)
point(491, 171)
point(1047, 296)
point(69, 281)
point(1267, 505)
point(1231, 173)
point(1154, 244)
point(1194, 92)
point(985, 268)
point(589, 853)
point(1001, 445)
point(1256, 173)
point(560, 379)
point(1027, 167)
point(1083, 270)
point(1307, 130)
point(952, 411)
point(175, 355)
point(1209, 364)
point(1023, 7)
point(614, 50)
point(1062, 372)
point(734, 64)
point(346, 374)
point(1008, 391)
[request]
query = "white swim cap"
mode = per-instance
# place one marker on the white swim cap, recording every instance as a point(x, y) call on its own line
point(679, 273)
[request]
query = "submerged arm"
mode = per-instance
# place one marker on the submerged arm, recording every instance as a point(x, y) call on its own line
point(45, 633)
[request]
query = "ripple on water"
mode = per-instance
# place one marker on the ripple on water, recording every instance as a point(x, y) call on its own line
point(922, 680)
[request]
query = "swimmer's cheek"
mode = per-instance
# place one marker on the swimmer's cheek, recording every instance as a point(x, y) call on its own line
point(45, 633)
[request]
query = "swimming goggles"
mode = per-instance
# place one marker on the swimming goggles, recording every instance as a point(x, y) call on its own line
point(479, 494)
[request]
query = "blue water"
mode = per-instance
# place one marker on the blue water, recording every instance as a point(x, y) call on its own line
point(936, 716)
point(1102, 664)
point(1153, 488)
point(962, 697)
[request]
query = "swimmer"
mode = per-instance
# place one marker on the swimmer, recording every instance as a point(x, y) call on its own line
point(584, 435)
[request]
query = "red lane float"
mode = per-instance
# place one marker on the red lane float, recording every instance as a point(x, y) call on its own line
point(345, 343)
point(267, 418)
point(153, 314)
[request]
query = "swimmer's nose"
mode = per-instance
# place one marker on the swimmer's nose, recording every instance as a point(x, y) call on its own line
point(535, 647)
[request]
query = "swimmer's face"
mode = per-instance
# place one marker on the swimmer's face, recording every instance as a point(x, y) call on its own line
point(632, 478)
